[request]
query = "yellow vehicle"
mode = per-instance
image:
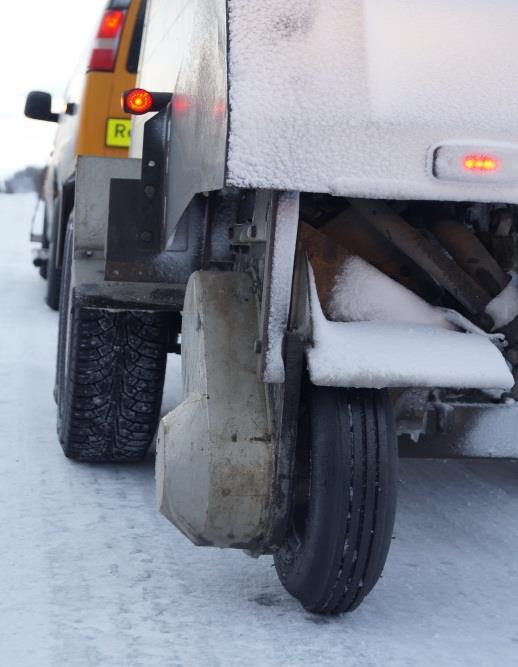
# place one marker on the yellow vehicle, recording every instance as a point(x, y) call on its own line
point(91, 123)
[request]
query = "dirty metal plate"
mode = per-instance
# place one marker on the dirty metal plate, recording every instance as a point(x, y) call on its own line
point(125, 259)
point(131, 253)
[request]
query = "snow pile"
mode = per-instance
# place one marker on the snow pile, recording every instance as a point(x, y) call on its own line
point(351, 96)
point(503, 309)
point(363, 293)
point(400, 354)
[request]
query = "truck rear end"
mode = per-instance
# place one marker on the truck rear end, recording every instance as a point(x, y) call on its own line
point(326, 202)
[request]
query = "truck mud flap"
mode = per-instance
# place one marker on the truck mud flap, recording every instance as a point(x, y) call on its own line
point(215, 455)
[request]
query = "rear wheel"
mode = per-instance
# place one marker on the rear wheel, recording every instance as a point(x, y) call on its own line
point(110, 376)
point(344, 499)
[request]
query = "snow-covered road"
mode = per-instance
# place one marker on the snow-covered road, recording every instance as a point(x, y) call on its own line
point(92, 575)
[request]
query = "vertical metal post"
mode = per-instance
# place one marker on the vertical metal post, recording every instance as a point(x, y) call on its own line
point(277, 286)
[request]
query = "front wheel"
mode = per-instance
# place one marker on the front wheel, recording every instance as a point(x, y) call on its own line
point(344, 498)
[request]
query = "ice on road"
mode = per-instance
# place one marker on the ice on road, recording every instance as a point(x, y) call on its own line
point(92, 575)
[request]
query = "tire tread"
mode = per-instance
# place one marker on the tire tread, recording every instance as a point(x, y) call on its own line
point(355, 461)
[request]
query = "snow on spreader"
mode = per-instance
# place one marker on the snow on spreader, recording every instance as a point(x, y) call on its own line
point(325, 210)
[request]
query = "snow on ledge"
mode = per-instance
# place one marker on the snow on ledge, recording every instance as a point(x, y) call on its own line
point(400, 354)
point(504, 307)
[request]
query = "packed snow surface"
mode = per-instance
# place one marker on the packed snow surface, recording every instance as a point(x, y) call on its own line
point(353, 97)
point(93, 576)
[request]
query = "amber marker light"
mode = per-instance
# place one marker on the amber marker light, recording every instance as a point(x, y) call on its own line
point(137, 101)
point(480, 163)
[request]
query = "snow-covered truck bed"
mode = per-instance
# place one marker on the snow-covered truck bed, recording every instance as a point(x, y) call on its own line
point(350, 97)
point(356, 97)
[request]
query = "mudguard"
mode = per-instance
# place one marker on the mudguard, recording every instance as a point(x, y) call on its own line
point(214, 453)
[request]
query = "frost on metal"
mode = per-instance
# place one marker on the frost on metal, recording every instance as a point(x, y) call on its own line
point(285, 240)
point(352, 96)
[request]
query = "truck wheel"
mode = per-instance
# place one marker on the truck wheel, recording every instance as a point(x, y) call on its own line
point(344, 498)
point(110, 377)
point(53, 272)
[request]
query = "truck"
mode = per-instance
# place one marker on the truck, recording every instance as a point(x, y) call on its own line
point(89, 122)
point(321, 209)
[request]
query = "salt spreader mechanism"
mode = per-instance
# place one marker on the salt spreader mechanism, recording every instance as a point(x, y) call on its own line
point(331, 223)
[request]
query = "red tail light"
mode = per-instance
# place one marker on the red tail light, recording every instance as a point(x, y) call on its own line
point(111, 25)
point(137, 101)
point(106, 45)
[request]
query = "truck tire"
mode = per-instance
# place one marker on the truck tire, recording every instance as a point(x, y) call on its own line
point(53, 271)
point(110, 377)
point(344, 499)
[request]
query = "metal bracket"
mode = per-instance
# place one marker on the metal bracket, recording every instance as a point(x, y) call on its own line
point(244, 235)
point(136, 218)
point(136, 224)
point(277, 285)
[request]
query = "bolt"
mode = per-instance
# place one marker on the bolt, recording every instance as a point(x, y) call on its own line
point(146, 237)
point(151, 163)
point(149, 191)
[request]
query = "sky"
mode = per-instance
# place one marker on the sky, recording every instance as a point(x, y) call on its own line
point(40, 43)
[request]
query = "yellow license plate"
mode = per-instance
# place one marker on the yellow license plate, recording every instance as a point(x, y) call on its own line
point(118, 132)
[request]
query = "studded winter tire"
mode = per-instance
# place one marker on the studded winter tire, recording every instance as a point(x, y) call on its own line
point(109, 379)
